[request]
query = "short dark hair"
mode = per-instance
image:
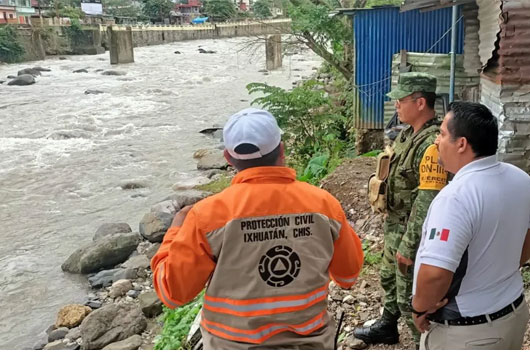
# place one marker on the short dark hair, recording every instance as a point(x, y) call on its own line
point(477, 124)
point(430, 98)
point(270, 159)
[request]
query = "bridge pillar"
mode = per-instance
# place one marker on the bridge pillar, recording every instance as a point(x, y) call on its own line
point(273, 51)
point(121, 45)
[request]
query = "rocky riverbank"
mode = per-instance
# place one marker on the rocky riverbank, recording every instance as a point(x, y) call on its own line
point(122, 310)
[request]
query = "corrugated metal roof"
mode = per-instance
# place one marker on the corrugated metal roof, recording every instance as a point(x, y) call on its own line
point(514, 46)
point(472, 63)
point(381, 33)
point(431, 4)
point(489, 14)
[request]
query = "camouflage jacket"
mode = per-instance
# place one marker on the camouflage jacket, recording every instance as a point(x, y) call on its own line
point(415, 179)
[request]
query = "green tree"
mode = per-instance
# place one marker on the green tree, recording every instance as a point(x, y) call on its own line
point(10, 48)
point(220, 10)
point(262, 9)
point(330, 37)
point(157, 10)
point(121, 8)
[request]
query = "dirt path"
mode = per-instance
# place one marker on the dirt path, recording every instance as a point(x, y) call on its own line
point(348, 183)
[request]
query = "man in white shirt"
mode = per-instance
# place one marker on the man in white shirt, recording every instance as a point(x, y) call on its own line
point(468, 291)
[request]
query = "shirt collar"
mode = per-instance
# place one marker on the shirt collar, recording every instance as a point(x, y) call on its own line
point(265, 175)
point(476, 165)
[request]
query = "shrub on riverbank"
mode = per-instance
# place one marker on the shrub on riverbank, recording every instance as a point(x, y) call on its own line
point(315, 118)
point(10, 48)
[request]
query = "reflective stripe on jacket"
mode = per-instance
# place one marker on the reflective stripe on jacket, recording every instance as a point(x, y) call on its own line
point(268, 245)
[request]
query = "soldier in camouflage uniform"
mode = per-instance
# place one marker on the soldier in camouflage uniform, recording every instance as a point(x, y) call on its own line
point(414, 180)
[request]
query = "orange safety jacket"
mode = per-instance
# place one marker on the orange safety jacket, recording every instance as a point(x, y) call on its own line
point(268, 245)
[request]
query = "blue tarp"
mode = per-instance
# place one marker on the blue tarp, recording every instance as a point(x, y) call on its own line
point(199, 20)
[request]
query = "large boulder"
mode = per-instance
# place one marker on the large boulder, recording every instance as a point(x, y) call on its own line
point(112, 228)
point(29, 71)
point(114, 73)
point(104, 253)
point(154, 225)
point(150, 304)
point(127, 344)
point(212, 159)
point(41, 69)
point(111, 323)
point(71, 316)
point(22, 80)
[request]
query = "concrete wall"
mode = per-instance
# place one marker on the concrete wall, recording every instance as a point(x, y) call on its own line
point(155, 35)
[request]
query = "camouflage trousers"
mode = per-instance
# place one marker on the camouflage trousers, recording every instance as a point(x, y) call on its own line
point(398, 287)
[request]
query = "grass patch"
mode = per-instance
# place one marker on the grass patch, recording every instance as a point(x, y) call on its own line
point(177, 324)
point(371, 258)
point(217, 185)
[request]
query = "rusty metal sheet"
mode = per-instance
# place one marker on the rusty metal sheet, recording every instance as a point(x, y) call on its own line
point(489, 15)
point(514, 44)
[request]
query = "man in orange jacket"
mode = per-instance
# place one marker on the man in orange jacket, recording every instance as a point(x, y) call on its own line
point(265, 248)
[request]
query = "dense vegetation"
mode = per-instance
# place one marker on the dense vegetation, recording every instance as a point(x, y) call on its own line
point(10, 48)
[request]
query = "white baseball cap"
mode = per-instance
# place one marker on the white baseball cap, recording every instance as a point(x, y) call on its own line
point(251, 126)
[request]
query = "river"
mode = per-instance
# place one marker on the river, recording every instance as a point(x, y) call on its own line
point(64, 156)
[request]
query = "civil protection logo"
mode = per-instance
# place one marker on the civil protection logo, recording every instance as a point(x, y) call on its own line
point(279, 266)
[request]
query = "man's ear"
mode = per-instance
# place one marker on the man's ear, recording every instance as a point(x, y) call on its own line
point(462, 144)
point(281, 157)
point(227, 157)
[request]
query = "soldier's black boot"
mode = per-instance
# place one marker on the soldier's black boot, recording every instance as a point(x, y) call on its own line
point(384, 330)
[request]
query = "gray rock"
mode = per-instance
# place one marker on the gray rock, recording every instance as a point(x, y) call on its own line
point(102, 254)
point(127, 344)
point(354, 343)
point(132, 293)
point(58, 334)
point(40, 344)
point(111, 323)
point(150, 304)
point(10, 77)
point(152, 250)
point(114, 73)
point(125, 273)
point(55, 346)
point(94, 304)
point(2, 81)
point(22, 80)
point(93, 91)
point(40, 68)
point(102, 278)
point(131, 185)
point(80, 71)
point(119, 288)
point(212, 159)
point(154, 225)
point(112, 228)
point(62, 58)
point(136, 262)
point(29, 71)
point(187, 197)
point(74, 334)
point(50, 329)
point(167, 206)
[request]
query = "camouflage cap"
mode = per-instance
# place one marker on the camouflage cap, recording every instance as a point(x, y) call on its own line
point(410, 82)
